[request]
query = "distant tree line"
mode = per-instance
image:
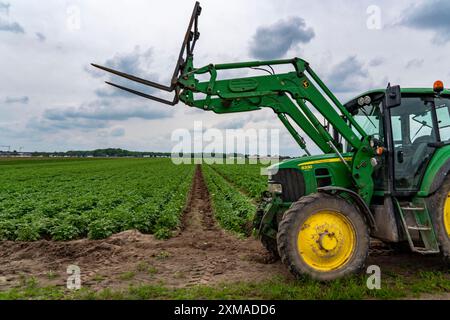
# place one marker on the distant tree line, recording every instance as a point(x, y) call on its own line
point(102, 153)
point(117, 152)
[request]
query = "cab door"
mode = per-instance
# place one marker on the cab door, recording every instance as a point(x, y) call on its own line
point(413, 130)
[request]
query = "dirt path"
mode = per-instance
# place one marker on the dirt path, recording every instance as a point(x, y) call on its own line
point(202, 253)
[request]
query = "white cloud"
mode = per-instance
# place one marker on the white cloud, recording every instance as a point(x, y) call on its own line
point(430, 15)
point(6, 23)
point(19, 100)
point(68, 108)
point(274, 41)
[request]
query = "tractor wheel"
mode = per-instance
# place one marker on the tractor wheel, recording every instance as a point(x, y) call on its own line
point(324, 237)
point(440, 214)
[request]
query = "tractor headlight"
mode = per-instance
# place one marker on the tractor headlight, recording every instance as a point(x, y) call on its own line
point(275, 188)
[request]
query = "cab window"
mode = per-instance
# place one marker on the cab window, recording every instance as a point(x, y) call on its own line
point(368, 117)
point(443, 117)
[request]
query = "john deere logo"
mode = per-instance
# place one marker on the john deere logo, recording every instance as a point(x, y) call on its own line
point(305, 84)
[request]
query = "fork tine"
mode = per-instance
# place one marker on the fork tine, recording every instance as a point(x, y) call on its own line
point(134, 78)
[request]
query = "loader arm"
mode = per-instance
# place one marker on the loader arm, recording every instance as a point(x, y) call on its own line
point(289, 95)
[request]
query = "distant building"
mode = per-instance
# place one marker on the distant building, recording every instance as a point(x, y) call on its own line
point(8, 154)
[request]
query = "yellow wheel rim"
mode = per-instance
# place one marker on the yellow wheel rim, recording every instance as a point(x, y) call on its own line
point(326, 240)
point(447, 215)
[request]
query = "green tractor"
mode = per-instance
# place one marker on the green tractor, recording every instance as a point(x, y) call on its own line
point(382, 174)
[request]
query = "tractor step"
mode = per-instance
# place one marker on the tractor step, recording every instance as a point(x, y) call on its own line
point(419, 228)
point(412, 209)
point(425, 251)
point(423, 225)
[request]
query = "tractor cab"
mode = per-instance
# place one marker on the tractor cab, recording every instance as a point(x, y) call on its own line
point(408, 134)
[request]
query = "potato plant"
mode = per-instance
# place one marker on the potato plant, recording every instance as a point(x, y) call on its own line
point(233, 209)
point(246, 177)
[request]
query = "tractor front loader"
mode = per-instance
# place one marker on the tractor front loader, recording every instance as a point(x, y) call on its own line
point(382, 174)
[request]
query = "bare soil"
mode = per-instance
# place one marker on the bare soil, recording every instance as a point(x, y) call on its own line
point(201, 253)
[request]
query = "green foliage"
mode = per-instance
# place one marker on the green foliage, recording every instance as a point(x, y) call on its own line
point(232, 209)
point(245, 177)
point(7, 229)
point(65, 232)
point(127, 275)
point(163, 233)
point(26, 232)
point(100, 229)
point(278, 288)
point(65, 199)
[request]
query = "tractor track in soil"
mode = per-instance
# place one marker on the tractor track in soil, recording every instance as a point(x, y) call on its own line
point(201, 253)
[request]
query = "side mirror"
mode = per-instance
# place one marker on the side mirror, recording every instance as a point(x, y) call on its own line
point(393, 96)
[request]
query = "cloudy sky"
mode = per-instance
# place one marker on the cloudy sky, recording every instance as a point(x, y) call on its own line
point(52, 100)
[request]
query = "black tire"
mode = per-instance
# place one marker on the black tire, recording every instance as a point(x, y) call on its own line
point(437, 210)
point(292, 222)
point(271, 246)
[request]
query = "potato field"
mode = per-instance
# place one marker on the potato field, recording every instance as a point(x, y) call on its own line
point(71, 199)
point(144, 228)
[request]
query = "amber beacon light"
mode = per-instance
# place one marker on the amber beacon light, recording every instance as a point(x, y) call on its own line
point(438, 86)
